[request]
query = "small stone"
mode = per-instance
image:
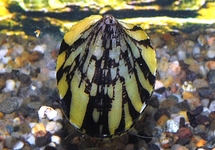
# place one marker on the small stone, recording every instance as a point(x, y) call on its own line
point(189, 45)
point(210, 65)
point(157, 131)
point(39, 130)
point(25, 128)
point(10, 128)
point(42, 141)
point(56, 139)
point(192, 119)
point(187, 95)
point(53, 127)
point(3, 52)
point(211, 144)
point(178, 147)
point(167, 139)
point(35, 56)
point(172, 126)
point(184, 133)
point(5, 60)
point(1, 115)
point(194, 67)
point(181, 55)
point(50, 148)
point(162, 120)
point(9, 142)
point(211, 77)
point(190, 76)
point(199, 129)
point(24, 78)
point(59, 115)
point(158, 84)
point(167, 104)
point(204, 120)
point(16, 121)
point(183, 141)
point(31, 139)
point(212, 115)
point(188, 87)
point(52, 74)
point(34, 105)
point(174, 68)
point(204, 92)
point(19, 145)
point(153, 146)
point(202, 40)
point(196, 51)
point(212, 126)
point(9, 105)
point(201, 143)
point(205, 102)
point(183, 114)
point(212, 106)
point(40, 48)
point(211, 54)
point(9, 85)
point(48, 112)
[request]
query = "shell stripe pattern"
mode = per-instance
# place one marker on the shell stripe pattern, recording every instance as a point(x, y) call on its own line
point(105, 74)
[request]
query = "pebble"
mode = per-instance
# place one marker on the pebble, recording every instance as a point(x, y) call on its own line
point(16, 121)
point(38, 130)
point(43, 140)
point(34, 105)
point(168, 103)
point(201, 143)
point(212, 115)
point(212, 106)
point(31, 139)
point(19, 145)
point(9, 105)
point(205, 102)
point(184, 132)
point(35, 56)
point(162, 120)
point(59, 115)
point(211, 77)
point(9, 85)
point(24, 78)
point(48, 112)
point(3, 52)
point(188, 87)
point(199, 83)
point(210, 65)
point(196, 51)
point(211, 54)
point(56, 139)
point(167, 139)
point(202, 40)
point(178, 147)
point(181, 55)
point(172, 126)
point(40, 48)
point(153, 146)
point(204, 92)
point(204, 120)
point(53, 127)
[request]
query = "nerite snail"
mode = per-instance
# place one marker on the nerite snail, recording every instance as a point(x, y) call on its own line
point(105, 74)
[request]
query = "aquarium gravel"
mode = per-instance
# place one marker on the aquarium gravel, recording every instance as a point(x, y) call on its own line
point(180, 115)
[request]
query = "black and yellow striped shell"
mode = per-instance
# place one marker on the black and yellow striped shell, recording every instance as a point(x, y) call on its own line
point(105, 75)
